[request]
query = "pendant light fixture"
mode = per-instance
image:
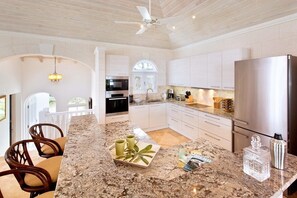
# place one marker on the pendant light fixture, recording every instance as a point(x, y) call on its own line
point(55, 77)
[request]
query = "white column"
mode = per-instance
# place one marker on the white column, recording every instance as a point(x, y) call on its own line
point(99, 84)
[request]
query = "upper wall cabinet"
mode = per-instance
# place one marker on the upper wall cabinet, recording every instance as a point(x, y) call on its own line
point(198, 71)
point(214, 74)
point(117, 65)
point(228, 62)
point(178, 72)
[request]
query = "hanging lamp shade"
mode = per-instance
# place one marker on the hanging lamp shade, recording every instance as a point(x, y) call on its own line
point(55, 77)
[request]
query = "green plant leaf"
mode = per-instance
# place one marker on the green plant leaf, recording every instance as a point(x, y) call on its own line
point(147, 148)
point(147, 156)
point(144, 160)
point(150, 151)
point(136, 148)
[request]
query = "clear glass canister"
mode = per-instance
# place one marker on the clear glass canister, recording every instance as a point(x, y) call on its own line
point(256, 160)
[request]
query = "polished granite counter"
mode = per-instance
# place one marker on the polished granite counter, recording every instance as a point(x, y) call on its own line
point(208, 109)
point(87, 169)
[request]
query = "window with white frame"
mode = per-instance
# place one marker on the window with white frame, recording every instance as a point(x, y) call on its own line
point(144, 76)
point(77, 104)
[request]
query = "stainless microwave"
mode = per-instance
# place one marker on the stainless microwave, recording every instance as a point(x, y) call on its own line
point(117, 83)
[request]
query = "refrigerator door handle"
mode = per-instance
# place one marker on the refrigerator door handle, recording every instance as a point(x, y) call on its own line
point(241, 121)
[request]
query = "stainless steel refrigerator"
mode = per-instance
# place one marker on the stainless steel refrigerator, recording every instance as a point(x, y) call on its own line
point(265, 101)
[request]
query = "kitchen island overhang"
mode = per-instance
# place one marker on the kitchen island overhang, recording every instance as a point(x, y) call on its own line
point(87, 169)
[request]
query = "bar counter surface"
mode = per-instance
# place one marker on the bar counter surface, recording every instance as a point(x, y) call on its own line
point(87, 169)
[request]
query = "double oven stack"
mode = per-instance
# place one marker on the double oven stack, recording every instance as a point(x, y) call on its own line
point(117, 95)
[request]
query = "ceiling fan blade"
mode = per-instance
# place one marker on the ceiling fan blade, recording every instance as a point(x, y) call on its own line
point(144, 13)
point(128, 22)
point(141, 30)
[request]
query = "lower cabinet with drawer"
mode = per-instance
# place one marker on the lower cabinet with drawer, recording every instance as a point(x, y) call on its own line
point(183, 120)
point(216, 129)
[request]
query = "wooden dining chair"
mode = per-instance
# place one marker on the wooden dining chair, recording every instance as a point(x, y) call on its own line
point(39, 131)
point(45, 182)
point(39, 178)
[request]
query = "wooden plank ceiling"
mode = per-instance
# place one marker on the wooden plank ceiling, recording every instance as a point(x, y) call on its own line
point(94, 19)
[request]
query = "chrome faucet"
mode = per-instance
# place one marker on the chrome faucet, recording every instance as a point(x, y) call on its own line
point(146, 97)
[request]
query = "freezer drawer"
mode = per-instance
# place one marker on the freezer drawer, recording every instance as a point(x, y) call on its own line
point(242, 138)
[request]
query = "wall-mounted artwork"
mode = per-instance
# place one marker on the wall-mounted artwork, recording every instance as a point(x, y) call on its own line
point(2, 107)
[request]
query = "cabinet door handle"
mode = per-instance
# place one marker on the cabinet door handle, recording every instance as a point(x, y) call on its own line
point(212, 124)
point(174, 110)
point(241, 134)
point(212, 137)
point(241, 121)
point(174, 120)
point(189, 116)
point(206, 115)
point(189, 126)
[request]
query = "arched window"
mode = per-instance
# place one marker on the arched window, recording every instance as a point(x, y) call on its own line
point(144, 75)
point(77, 104)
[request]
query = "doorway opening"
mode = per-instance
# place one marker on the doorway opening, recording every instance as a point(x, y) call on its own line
point(34, 104)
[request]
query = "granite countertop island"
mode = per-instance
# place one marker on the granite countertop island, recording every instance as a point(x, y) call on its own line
point(87, 169)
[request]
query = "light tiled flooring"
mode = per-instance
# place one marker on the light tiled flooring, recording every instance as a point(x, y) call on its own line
point(167, 137)
point(8, 184)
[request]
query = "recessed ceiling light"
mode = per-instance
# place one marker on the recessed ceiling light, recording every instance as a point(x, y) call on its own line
point(173, 27)
point(193, 17)
point(141, 26)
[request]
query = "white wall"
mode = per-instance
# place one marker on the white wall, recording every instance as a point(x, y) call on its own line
point(10, 83)
point(77, 80)
point(278, 37)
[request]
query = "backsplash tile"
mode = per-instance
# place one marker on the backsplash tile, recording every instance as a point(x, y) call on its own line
point(204, 96)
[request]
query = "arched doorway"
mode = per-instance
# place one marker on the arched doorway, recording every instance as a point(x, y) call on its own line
point(33, 105)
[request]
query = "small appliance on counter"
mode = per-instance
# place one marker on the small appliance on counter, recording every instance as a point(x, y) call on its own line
point(170, 93)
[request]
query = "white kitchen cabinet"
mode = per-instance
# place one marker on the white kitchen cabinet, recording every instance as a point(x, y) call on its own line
point(157, 116)
point(198, 71)
point(216, 129)
point(117, 65)
point(215, 139)
point(178, 72)
point(183, 120)
point(139, 115)
point(228, 64)
point(214, 72)
point(149, 117)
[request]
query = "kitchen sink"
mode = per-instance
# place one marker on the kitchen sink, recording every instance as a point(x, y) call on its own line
point(197, 105)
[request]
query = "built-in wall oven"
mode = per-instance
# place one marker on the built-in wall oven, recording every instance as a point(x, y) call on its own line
point(117, 95)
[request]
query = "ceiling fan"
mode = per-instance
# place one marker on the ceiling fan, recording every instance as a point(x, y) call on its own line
point(147, 19)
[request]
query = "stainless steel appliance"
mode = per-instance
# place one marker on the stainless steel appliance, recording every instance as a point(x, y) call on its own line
point(117, 83)
point(265, 101)
point(117, 99)
point(170, 93)
point(117, 103)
